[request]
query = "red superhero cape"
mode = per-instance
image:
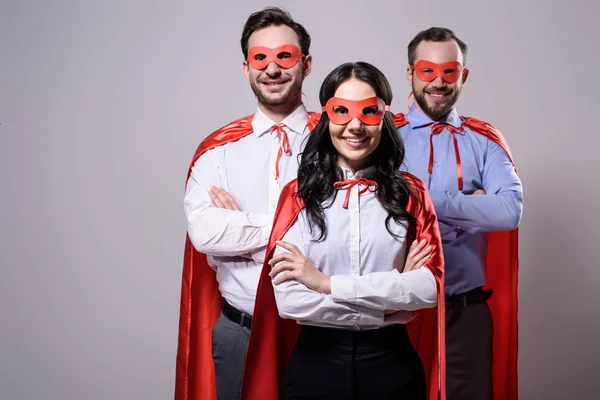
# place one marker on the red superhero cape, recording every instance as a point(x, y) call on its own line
point(502, 266)
point(272, 338)
point(201, 300)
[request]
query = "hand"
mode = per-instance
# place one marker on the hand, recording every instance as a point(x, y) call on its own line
point(298, 268)
point(222, 199)
point(417, 256)
point(479, 191)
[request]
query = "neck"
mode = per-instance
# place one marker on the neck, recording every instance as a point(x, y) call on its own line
point(354, 166)
point(432, 117)
point(279, 113)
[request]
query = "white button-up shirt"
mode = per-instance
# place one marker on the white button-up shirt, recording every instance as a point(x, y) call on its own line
point(235, 241)
point(364, 262)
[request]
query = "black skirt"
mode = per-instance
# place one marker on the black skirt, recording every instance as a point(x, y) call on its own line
point(340, 364)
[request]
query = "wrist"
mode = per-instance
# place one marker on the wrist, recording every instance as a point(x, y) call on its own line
point(326, 285)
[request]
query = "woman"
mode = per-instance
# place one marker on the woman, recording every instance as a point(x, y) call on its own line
point(341, 269)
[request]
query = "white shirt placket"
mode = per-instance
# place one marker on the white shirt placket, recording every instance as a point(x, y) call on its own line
point(354, 209)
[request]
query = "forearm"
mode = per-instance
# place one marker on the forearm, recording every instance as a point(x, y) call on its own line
point(223, 232)
point(296, 301)
point(478, 213)
point(391, 290)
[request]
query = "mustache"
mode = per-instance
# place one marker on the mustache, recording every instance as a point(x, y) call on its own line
point(438, 91)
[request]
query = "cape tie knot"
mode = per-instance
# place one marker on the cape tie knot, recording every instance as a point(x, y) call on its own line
point(438, 127)
point(367, 185)
point(284, 145)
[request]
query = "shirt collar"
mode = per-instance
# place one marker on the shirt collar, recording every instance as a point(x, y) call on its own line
point(295, 122)
point(369, 173)
point(418, 119)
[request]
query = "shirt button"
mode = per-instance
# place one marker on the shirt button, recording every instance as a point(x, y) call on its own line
point(437, 164)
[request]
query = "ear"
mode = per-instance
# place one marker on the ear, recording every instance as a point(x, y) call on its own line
point(465, 75)
point(409, 75)
point(307, 65)
point(246, 69)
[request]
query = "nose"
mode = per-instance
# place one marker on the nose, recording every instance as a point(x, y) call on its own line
point(273, 70)
point(439, 82)
point(355, 125)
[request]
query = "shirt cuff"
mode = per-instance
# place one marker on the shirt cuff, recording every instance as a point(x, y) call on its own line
point(343, 288)
point(266, 224)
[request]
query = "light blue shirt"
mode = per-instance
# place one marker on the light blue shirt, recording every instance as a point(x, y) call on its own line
point(464, 218)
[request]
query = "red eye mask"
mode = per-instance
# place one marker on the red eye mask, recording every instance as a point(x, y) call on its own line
point(285, 56)
point(341, 111)
point(428, 71)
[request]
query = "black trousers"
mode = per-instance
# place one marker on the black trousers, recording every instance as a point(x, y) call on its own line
point(229, 345)
point(340, 364)
point(469, 332)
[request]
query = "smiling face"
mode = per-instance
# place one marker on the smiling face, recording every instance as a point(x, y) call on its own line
point(437, 97)
point(355, 141)
point(274, 85)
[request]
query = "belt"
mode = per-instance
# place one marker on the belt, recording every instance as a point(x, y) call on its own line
point(237, 316)
point(458, 301)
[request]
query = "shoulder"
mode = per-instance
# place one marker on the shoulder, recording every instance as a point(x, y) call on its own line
point(290, 187)
point(231, 132)
point(483, 128)
point(228, 133)
point(489, 132)
point(313, 119)
point(414, 182)
point(419, 195)
point(399, 120)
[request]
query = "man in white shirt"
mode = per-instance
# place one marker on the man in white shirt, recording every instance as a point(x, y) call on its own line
point(231, 194)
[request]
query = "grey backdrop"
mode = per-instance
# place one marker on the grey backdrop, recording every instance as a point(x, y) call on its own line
point(102, 104)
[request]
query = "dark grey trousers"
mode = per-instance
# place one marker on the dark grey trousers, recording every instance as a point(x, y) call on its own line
point(229, 345)
point(469, 354)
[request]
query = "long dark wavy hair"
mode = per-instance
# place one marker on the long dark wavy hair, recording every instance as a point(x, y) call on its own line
point(318, 170)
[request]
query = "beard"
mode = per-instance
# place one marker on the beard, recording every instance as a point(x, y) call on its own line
point(276, 99)
point(437, 111)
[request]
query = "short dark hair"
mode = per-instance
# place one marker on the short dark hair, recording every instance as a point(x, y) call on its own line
point(273, 16)
point(435, 34)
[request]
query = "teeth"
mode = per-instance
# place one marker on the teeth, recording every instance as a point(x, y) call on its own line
point(354, 140)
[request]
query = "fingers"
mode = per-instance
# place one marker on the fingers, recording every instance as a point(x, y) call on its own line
point(284, 266)
point(228, 200)
point(285, 256)
point(216, 200)
point(479, 191)
point(422, 254)
point(421, 262)
point(222, 199)
point(416, 247)
point(415, 264)
point(289, 274)
point(417, 256)
point(290, 247)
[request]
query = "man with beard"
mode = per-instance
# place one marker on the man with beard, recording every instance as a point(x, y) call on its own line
point(231, 194)
point(477, 195)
